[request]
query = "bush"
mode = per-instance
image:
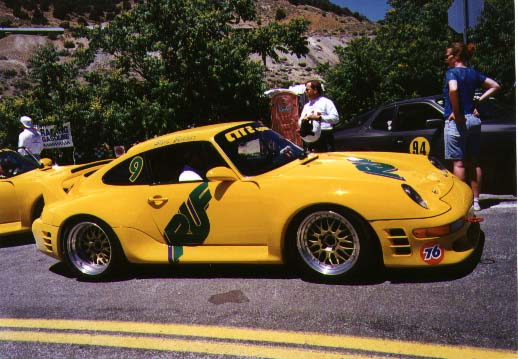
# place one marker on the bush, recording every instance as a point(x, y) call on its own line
point(9, 73)
point(280, 14)
point(69, 44)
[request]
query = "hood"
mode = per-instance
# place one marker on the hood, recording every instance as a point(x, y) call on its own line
point(377, 178)
point(377, 167)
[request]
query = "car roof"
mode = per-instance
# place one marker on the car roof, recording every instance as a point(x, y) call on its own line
point(191, 134)
point(432, 98)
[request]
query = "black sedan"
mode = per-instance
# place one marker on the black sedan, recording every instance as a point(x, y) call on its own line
point(416, 126)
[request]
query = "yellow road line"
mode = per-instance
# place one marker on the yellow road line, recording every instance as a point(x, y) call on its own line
point(176, 345)
point(271, 336)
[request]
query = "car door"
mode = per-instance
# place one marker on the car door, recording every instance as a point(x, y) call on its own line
point(9, 208)
point(417, 128)
point(372, 135)
point(200, 212)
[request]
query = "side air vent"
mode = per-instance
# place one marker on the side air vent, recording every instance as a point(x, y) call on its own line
point(47, 240)
point(399, 242)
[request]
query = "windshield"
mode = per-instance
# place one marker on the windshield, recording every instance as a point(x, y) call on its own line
point(255, 149)
point(14, 164)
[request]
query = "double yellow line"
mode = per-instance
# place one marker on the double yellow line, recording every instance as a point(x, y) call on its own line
point(227, 341)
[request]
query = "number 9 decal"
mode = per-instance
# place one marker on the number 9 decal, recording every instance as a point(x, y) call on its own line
point(135, 168)
point(419, 146)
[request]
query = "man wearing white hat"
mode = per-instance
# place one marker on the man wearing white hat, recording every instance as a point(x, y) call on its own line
point(29, 138)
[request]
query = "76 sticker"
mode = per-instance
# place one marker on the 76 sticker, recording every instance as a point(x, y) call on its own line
point(432, 253)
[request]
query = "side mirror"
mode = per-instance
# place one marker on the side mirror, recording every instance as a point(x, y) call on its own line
point(435, 123)
point(222, 174)
point(45, 163)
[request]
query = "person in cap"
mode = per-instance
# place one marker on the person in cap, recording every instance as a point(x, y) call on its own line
point(29, 139)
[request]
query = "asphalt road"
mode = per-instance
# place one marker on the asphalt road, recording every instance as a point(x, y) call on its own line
point(207, 311)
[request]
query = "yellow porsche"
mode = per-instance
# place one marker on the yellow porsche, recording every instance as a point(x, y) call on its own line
point(22, 180)
point(241, 193)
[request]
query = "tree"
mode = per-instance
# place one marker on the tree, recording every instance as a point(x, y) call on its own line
point(269, 39)
point(494, 46)
point(354, 81)
point(405, 59)
point(188, 64)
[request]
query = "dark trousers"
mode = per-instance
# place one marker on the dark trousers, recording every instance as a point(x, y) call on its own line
point(326, 143)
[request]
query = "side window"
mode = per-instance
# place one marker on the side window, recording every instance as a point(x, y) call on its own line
point(183, 162)
point(385, 120)
point(413, 117)
point(132, 171)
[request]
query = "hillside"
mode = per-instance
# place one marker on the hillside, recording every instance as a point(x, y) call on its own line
point(326, 31)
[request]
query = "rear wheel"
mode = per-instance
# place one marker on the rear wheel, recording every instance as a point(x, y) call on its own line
point(91, 249)
point(333, 244)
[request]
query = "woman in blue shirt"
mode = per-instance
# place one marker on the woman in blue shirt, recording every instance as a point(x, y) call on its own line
point(462, 126)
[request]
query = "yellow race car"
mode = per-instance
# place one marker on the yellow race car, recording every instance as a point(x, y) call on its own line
point(241, 193)
point(22, 180)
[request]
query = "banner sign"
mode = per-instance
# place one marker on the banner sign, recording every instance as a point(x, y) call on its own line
point(56, 136)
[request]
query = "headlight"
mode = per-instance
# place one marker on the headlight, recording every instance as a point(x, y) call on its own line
point(438, 164)
point(412, 193)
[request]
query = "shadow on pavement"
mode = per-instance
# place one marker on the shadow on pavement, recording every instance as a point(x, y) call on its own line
point(14, 240)
point(255, 271)
point(194, 271)
point(490, 202)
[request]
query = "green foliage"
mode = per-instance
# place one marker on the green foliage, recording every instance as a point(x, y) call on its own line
point(69, 44)
point(175, 63)
point(274, 36)
point(280, 14)
point(353, 83)
point(494, 46)
point(189, 67)
point(405, 59)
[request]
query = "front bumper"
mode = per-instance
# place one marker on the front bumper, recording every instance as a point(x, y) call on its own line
point(401, 249)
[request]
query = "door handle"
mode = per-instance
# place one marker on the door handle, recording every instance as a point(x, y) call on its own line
point(157, 200)
point(399, 141)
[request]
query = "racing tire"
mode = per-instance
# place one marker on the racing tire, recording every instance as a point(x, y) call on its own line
point(92, 250)
point(332, 244)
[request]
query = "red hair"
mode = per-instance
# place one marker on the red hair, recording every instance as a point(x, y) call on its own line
point(462, 51)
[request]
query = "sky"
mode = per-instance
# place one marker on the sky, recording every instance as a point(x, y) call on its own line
point(374, 10)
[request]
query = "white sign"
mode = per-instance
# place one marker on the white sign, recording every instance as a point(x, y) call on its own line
point(56, 136)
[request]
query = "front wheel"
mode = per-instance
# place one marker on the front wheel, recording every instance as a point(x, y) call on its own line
point(333, 244)
point(91, 249)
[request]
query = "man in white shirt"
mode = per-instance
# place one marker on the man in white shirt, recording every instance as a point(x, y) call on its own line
point(29, 138)
point(321, 113)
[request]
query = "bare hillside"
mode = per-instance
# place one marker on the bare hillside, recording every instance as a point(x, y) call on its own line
point(326, 31)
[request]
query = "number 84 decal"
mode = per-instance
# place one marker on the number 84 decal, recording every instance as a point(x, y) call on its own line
point(432, 253)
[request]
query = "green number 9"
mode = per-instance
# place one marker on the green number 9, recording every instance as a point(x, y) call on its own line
point(135, 168)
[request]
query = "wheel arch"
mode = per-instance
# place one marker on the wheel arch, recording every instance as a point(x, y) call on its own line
point(67, 223)
point(37, 208)
point(297, 217)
